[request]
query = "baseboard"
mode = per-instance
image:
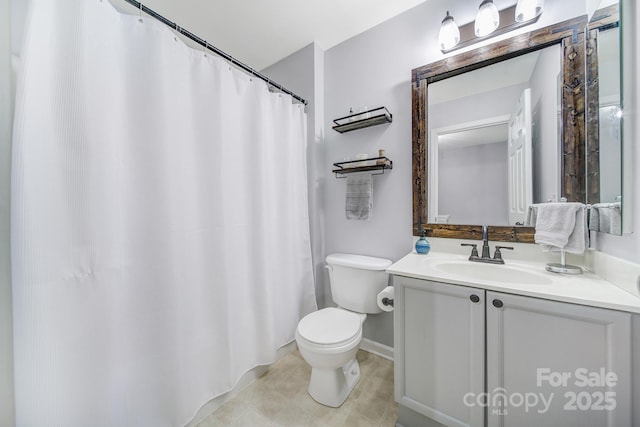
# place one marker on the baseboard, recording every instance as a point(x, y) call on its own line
point(377, 348)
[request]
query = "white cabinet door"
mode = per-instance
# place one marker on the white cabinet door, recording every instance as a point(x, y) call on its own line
point(439, 350)
point(541, 351)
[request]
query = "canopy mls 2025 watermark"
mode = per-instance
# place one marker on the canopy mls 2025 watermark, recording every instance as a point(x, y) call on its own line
point(500, 400)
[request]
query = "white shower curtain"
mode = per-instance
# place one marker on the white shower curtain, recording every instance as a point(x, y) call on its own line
point(160, 233)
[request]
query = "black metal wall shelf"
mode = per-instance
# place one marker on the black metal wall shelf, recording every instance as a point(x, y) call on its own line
point(377, 116)
point(370, 165)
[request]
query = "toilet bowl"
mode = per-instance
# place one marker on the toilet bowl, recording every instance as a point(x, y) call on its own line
point(329, 339)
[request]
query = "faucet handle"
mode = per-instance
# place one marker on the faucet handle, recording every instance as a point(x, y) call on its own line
point(497, 254)
point(474, 250)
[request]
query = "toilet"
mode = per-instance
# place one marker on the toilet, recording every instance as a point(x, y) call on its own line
point(329, 339)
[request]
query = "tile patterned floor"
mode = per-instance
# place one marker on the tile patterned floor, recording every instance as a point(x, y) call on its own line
point(279, 398)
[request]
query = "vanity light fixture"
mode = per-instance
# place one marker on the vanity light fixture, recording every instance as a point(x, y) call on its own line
point(487, 19)
point(489, 22)
point(449, 35)
point(526, 10)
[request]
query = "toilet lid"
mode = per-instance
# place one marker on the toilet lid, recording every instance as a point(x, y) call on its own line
point(329, 326)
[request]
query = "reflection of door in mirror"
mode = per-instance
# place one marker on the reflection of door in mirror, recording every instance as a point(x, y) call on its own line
point(469, 152)
point(519, 149)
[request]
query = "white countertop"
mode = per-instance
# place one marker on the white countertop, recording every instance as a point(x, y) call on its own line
point(586, 289)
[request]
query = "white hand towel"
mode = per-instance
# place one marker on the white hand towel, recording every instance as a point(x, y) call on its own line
point(606, 218)
point(359, 200)
point(560, 226)
point(615, 212)
point(594, 218)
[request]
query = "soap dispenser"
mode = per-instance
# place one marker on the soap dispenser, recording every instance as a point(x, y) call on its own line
point(422, 245)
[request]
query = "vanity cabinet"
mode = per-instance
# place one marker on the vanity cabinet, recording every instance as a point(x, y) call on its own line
point(471, 357)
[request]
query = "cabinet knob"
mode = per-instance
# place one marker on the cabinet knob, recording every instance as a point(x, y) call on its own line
point(497, 303)
point(474, 298)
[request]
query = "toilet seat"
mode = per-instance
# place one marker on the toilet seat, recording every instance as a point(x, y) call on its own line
point(330, 327)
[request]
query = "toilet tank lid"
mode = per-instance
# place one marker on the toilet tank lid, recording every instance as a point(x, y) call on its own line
point(359, 261)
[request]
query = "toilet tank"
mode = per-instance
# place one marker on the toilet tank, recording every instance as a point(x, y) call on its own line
point(356, 281)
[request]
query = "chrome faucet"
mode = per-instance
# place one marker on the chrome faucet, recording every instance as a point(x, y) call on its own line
point(486, 252)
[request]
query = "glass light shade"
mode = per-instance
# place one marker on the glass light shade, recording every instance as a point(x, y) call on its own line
point(487, 20)
point(526, 10)
point(449, 33)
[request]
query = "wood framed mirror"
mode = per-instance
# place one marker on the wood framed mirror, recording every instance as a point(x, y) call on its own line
point(569, 35)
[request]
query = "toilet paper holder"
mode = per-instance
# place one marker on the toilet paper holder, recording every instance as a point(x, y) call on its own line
point(385, 299)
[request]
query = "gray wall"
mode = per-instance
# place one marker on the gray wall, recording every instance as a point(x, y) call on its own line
point(6, 119)
point(473, 184)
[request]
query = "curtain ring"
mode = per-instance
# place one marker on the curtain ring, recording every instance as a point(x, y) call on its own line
point(204, 49)
point(140, 14)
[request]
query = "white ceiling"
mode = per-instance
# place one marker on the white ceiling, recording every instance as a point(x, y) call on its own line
point(262, 32)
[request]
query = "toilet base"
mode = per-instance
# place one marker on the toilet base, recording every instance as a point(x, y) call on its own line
point(331, 387)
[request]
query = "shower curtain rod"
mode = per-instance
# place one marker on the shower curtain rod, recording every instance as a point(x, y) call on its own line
point(213, 49)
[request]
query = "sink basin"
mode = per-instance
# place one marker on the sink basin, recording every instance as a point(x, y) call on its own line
point(499, 274)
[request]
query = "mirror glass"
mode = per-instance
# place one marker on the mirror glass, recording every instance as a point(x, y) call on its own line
point(604, 140)
point(610, 114)
point(495, 140)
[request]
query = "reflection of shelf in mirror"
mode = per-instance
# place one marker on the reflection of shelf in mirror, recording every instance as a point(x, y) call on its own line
point(370, 165)
point(377, 116)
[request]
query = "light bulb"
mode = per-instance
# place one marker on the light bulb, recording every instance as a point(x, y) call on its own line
point(526, 10)
point(449, 33)
point(487, 20)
